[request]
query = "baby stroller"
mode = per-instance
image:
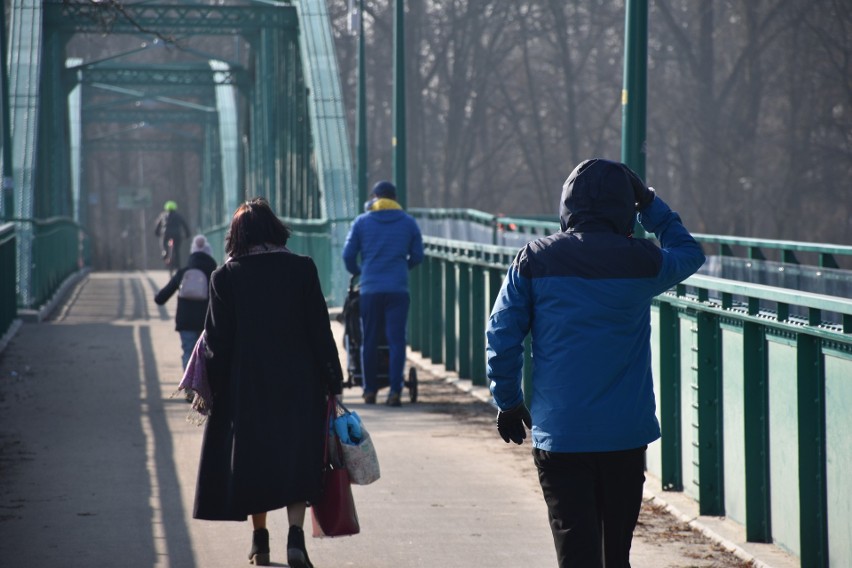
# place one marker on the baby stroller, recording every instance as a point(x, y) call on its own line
point(351, 320)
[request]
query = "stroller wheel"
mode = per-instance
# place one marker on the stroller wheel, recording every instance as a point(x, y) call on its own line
point(412, 384)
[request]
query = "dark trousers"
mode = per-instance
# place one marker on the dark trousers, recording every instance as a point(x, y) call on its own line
point(188, 339)
point(593, 502)
point(383, 313)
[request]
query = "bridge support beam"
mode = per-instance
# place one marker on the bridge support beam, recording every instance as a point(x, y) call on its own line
point(672, 476)
point(756, 426)
point(813, 509)
point(710, 465)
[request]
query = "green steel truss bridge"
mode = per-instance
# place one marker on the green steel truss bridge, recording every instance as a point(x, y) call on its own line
point(262, 118)
point(752, 362)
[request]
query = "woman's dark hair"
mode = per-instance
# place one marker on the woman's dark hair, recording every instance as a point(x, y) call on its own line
point(254, 224)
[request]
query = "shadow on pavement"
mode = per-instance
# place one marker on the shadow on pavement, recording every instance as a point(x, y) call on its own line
point(87, 463)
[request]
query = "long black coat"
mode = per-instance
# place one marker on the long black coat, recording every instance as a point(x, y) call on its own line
point(273, 362)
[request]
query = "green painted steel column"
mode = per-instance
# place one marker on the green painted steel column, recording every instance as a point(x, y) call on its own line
point(710, 442)
point(361, 144)
point(425, 298)
point(634, 92)
point(670, 423)
point(399, 142)
point(436, 290)
point(478, 320)
point(426, 283)
point(813, 509)
point(8, 278)
point(415, 310)
point(756, 426)
point(450, 301)
point(495, 282)
point(464, 343)
point(209, 175)
point(7, 184)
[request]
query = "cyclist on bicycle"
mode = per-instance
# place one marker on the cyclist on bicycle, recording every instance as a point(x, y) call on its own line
point(171, 226)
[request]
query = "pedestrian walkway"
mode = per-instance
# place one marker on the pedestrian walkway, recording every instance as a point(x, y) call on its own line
point(98, 462)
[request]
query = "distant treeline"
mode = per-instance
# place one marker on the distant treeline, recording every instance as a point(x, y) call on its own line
point(749, 105)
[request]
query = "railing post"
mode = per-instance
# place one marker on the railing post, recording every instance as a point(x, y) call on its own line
point(450, 300)
point(464, 345)
point(8, 295)
point(416, 308)
point(495, 282)
point(827, 260)
point(426, 307)
point(710, 470)
point(479, 319)
point(756, 427)
point(670, 444)
point(813, 517)
point(436, 290)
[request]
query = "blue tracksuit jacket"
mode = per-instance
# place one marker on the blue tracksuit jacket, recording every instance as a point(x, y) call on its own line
point(390, 243)
point(585, 295)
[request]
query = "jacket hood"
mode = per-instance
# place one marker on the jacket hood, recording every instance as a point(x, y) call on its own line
point(598, 197)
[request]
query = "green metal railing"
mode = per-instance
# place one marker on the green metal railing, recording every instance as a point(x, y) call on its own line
point(749, 429)
point(788, 252)
point(314, 238)
point(462, 224)
point(308, 237)
point(753, 401)
point(60, 247)
point(8, 284)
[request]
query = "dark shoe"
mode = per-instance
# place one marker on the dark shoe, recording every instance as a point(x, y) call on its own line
point(297, 554)
point(259, 553)
point(394, 399)
point(369, 398)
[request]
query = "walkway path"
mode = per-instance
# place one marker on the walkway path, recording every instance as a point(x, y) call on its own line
point(98, 464)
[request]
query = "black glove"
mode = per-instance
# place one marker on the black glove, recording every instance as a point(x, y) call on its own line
point(642, 194)
point(510, 423)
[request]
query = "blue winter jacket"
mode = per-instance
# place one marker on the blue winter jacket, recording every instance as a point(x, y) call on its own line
point(585, 295)
point(389, 243)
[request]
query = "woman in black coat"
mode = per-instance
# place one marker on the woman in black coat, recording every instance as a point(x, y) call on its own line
point(272, 363)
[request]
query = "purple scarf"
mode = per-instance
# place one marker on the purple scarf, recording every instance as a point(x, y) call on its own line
point(195, 380)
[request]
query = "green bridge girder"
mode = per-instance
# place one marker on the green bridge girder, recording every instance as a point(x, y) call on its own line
point(153, 116)
point(161, 76)
point(178, 19)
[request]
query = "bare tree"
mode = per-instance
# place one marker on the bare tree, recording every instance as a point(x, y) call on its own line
point(749, 105)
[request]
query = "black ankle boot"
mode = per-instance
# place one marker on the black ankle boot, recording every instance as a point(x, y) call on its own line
point(297, 554)
point(259, 553)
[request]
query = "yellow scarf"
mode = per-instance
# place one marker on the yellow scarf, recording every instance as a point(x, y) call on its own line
point(384, 203)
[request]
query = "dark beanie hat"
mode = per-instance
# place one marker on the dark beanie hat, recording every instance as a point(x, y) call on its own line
point(384, 189)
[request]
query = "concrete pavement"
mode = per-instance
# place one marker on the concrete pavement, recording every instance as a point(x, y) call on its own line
point(98, 462)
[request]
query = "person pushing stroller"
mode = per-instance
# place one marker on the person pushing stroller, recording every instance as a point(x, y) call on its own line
point(389, 243)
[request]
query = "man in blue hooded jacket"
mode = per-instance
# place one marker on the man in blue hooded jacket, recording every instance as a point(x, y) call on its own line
point(389, 243)
point(585, 296)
